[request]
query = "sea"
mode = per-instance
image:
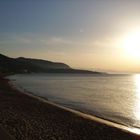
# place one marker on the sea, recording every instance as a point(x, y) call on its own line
point(114, 97)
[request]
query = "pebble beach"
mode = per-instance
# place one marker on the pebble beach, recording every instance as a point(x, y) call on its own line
point(25, 118)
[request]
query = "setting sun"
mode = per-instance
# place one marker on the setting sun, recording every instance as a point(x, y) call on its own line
point(70, 69)
point(131, 44)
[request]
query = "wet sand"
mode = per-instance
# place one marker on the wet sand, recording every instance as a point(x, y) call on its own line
point(27, 118)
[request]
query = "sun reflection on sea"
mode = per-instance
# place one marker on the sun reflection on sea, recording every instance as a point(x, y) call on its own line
point(137, 92)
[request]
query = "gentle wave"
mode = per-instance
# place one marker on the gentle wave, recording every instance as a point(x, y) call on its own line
point(113, 97)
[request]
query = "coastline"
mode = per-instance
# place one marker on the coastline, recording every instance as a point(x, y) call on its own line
point(93, 117)
point(37, 118)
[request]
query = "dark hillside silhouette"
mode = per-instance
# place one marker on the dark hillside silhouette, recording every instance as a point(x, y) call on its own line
point(27, 65)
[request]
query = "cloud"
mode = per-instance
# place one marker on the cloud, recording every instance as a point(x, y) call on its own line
point(54, 41)
point(54, 44)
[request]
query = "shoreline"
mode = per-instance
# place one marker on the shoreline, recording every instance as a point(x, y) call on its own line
point(104, 129)
point(93, 117)
point(131, 130)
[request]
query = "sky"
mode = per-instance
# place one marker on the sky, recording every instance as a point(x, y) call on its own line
point(99, 35)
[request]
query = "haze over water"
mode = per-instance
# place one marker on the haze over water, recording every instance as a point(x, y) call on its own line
point(112, 97)
point(100, 35)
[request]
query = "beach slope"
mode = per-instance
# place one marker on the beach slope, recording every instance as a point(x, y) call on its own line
point(24, 117)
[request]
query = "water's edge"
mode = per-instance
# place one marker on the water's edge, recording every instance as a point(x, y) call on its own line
point(95, 118)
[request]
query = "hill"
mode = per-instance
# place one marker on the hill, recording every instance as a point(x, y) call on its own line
point(28, 65)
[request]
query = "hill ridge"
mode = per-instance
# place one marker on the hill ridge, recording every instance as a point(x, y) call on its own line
point(28, 65)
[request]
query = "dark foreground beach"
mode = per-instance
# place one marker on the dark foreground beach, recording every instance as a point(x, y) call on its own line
point(25, 118)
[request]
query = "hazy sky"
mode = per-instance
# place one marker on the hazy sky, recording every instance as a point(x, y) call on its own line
point(88, 34)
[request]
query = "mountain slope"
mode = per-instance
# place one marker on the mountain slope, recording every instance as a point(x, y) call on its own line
point(43, 63)
point(27, 65)
point(31, 65)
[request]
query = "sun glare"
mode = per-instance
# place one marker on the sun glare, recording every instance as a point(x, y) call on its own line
point(137, 101)
point(131, 44)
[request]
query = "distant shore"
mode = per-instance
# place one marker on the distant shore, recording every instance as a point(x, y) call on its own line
point(25, 117)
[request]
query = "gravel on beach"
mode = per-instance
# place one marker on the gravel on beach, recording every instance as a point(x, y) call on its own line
point(27, 118)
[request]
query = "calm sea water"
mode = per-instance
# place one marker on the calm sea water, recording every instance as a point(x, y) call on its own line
point(113, 97)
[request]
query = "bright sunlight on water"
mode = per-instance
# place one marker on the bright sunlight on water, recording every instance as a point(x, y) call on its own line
point(112, 97)
point(137, 106)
